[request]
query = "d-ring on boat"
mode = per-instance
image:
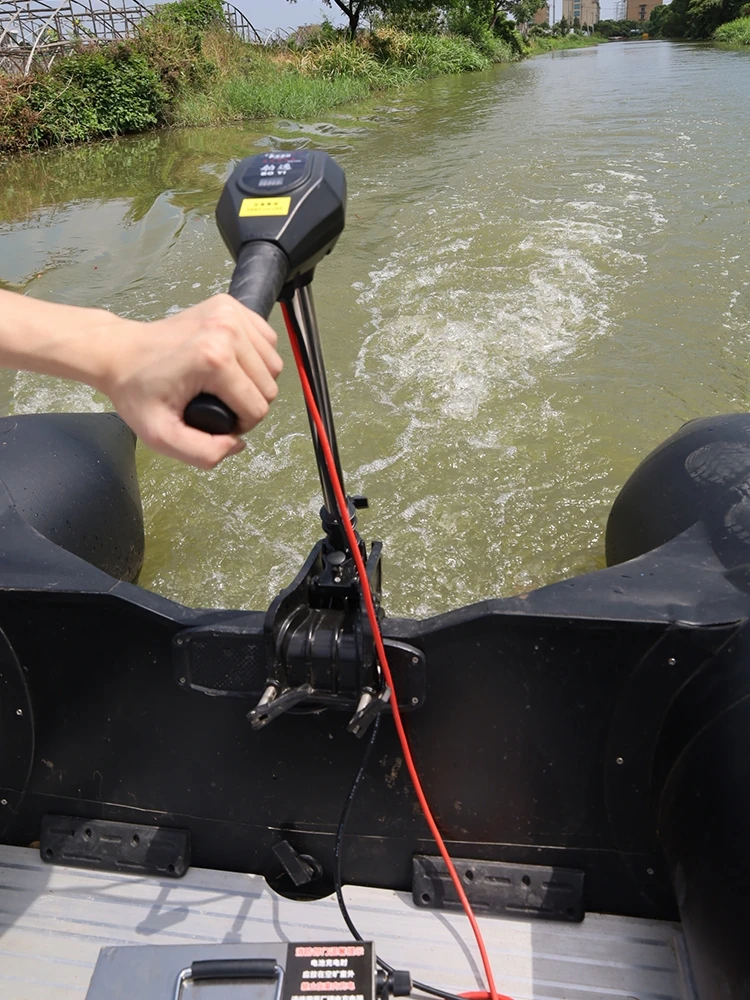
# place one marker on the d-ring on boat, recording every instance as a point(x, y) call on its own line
point(585, 748)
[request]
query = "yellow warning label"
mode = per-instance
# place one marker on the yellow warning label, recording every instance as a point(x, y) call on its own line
point(264, 206)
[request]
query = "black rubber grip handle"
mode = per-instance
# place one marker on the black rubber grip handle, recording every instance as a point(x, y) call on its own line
point(259, 275)
point(234, 968)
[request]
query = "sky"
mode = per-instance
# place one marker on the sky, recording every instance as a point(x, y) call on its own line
point(268, 14)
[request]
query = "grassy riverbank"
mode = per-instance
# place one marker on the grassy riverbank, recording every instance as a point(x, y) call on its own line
point(185, 68)
point(551, 43)
point(734, 33)
point(293, 82)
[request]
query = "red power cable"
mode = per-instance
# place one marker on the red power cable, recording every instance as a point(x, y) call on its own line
point(380, 648)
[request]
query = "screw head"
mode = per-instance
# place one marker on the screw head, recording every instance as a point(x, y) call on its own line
point(672, 661)
point(415, 700)
point(19, 711)
point(415, 660)
point(182, 680)
point(3, 802)
point(619, 760)
point(649, 871)
point(178, 642)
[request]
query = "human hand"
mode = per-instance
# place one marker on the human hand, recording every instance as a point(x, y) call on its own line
point(153, 370)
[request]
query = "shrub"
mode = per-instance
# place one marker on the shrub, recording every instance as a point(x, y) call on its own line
point(734, 32)
point(96, 92)
point(175, 51)
point(416, 22)
point(505, 31)
point(499, 44)
point(195, 15)
point(17, 118)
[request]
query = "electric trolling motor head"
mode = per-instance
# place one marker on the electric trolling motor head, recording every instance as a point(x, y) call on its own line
point(295, 201)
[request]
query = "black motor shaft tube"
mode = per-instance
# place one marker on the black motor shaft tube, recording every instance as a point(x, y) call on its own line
point(259, 275)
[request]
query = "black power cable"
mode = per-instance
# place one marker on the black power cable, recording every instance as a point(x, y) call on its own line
point(337, 877)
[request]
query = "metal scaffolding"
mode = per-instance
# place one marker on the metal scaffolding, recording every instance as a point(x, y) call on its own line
point(33, 33)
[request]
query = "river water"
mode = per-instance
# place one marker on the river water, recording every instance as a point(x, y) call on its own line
point(544, 274)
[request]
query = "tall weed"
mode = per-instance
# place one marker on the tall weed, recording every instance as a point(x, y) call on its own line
point(429, 55)
point(340, 58)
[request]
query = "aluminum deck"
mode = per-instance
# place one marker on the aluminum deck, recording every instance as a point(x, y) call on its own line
point(53, 921)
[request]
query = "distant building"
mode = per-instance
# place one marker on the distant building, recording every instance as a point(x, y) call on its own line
point(640, 10)
point(587, 11)
point(542, 15)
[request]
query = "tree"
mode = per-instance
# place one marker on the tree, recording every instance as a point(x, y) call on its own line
point(705, 16)
point(490, 12)
point(522, 12)
point(564, 26)
point(659, 17)
point(610, 28)
point(576, 23)
point(353, 9)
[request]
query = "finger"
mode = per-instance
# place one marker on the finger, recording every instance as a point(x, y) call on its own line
point(265, 354)
point(264, 329)
point(251, 318)
point(224, 314)
point(176, 440)
point(249, 361)
point(248, 394)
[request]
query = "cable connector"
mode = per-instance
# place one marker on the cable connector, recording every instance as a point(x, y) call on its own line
point(396, 983)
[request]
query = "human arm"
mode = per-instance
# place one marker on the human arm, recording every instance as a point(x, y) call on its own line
point(151, 371)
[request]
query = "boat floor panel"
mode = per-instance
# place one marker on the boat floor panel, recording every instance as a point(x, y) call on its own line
point(54, 920)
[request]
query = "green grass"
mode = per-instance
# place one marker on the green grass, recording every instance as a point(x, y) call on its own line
point(734, 33)
point(290, 96)
point(551, 43)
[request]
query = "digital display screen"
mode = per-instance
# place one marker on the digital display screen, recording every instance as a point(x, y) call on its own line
point(275, 173)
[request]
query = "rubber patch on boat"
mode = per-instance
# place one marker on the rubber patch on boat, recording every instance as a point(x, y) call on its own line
point(505, 889)
point(131, 847)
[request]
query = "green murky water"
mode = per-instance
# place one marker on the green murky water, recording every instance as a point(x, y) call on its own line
point(544, 273)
